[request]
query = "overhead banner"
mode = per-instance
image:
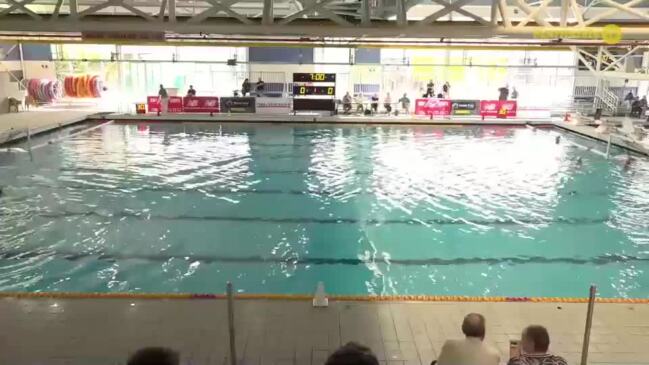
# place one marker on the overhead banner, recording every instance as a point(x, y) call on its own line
point(174, 105)
point(238, 105)
point(201, 104)
point(498, 108)
point(465, 107)
point(432, 107)
point(273, 105)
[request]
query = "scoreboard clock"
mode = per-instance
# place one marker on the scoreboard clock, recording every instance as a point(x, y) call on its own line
point(314, 90)
point(314, 77)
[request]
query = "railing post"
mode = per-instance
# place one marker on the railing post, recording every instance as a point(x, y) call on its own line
point(233, 349)
point(29, 145)
point(608, 146)
point(589, 324)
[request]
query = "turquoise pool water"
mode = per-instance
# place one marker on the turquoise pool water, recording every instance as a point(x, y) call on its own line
point(366, 209)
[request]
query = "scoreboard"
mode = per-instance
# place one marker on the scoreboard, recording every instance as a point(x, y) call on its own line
point(314, 77)
point(314, 90)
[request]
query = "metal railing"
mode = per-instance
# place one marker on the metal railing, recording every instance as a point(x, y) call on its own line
point(320, 300)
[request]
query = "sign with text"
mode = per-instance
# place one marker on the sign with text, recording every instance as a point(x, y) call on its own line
point(432, 107)
point(498, 108)
point(273, 105)
point(465, 107)
point(174, 104)
point(201, 104)
point(238, 105)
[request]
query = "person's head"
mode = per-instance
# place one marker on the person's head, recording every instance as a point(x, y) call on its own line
point(191, 87)
point(154, 356)
point(474, 325)
point(535, 339)
point(260, 79)
point(162, 87)
point(352, 354)
point(405, 94)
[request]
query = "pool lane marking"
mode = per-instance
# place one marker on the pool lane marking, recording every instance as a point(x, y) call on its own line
point(52, 141)
point(305, 220)
point(71, 255)
point(306, 297)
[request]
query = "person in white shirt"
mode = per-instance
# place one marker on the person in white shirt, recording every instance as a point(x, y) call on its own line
point(387, 103)
point(470, 350)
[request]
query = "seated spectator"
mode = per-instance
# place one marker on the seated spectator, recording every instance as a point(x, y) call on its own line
point(471, 350)
point(352, 354)
point(154, 356)
point(358, 99)
point(534, 348)
point(375, 103)
point(191, 91)
point(347, 103)
point(387, 104)
point(405, 103)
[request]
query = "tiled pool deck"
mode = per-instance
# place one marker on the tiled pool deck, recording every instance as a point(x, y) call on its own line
point(106, 331)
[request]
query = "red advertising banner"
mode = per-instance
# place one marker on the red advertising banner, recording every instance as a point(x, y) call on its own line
point(498, 108)
point(201, 104)
point(432, 107)
point(175, 104)
point(152, 103)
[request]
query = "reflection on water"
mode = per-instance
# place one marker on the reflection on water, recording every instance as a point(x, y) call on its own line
point(367, 210)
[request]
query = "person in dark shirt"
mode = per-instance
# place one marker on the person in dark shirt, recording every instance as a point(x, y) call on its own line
point(259, 88)
point(534, 348)
point(245, 87)
point(191, 91)
point(429, 89)
point(504, 93)
point(375, 103)
point(163, 99)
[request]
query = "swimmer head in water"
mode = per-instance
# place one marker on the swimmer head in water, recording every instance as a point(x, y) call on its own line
point(557, 139)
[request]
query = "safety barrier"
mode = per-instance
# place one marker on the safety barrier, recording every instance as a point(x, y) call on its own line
point(230, 297)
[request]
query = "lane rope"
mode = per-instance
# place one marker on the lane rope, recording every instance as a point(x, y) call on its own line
point(305, 297)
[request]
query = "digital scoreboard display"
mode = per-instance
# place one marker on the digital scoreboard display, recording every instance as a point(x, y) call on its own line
point(314, 77)
point(314, 90)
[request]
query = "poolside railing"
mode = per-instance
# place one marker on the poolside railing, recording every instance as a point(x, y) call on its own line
point(320, 292)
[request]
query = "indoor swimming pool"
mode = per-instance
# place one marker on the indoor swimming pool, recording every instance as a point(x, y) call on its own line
point(368, 210)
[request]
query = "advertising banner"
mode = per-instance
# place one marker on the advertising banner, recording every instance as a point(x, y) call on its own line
point(237, 105)
point(273, 105)
point(201, 104)
point(309, 104)
point(152, 104)
point(175, 104)
point(498, 108)
point(432, 107)
point(465, 107)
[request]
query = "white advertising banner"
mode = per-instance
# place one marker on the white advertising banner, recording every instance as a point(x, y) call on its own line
point(274, 105)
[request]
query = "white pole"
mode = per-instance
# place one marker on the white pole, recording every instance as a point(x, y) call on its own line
point(608, 146)
point(589, 324)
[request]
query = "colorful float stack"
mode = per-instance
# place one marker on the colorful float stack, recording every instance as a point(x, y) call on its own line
point(44, 91)
point(83, 86)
